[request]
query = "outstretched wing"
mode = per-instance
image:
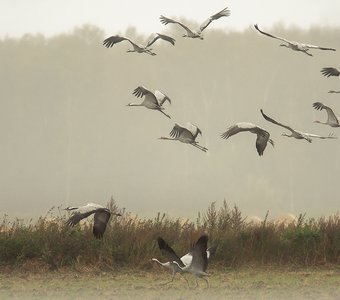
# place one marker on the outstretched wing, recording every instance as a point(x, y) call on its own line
point(330, 72)
point(78, 216)
point(275, 122)
point(176, 131)
point(101, 218)
point(232, 130)
point(142, 91)
point(331, 117)
point(199, 254)
point(261, 142)
point(223, 13)
point(330, 136)
point(270, 35)
point(165, 21)
point(155, 36)
point(169, 252)
point(318, 47)
point(112, 40)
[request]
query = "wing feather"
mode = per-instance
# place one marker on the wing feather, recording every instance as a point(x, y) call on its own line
point(275, 122)
point(169, 252)
point(270, 35)
point(330, 72)
point(225, 12)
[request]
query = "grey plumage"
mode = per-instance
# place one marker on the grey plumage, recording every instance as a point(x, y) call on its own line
point(263, 136)
point(296, 46)
point(196, 33)
point(186, 135)
point(101, 217)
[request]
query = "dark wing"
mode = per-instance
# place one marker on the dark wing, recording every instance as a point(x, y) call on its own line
point(141, 91)
point(270, 35)
point(223, 13)
point(199, 254)
point(332, 119)
point(165, 21)
point(275, 122)
point(261, 143)
point(155, 36)
point(169, 252)
point(232, 130)
point(77, 217)
point(112, 40)
point(177, 131)
point(101, 218)
point(330, 72)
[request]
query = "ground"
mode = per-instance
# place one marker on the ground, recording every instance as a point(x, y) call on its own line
point(250, 283)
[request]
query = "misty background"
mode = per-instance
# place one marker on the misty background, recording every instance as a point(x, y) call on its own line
point(68, 137)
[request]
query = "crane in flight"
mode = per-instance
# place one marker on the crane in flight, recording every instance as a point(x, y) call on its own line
point(186, 135)
point(197, 33)
point(262, 135)
point(101, 217)
point(171, 255)
point(152, 100)
point(295, 133)
point(199, 262)
point(332, 119)
point(294, 45)
point(115, 39)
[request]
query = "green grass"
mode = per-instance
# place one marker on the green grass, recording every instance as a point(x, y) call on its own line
point(244, 283)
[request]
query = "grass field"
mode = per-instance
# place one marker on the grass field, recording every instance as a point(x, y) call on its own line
point(250, 283)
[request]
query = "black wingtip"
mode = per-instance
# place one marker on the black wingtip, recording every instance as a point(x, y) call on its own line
point(161, 243)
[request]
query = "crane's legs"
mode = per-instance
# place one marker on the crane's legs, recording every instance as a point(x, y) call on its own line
point(164, 113)
point(172, 278)
point(199, 146)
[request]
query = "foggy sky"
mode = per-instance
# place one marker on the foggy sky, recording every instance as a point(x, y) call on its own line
point(50, 17)
point(69, 139)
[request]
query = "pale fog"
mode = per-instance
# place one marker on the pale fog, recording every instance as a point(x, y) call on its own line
point(68, 138)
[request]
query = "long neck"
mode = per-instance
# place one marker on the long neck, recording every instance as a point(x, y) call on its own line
point(319, 122)
point(166, 264)
point(166, 138)
point(134, 104)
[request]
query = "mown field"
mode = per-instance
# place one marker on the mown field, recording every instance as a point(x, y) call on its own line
point(244, 283)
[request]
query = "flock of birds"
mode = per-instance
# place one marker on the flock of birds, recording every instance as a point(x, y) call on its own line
point(188, 134)
point(196, 261)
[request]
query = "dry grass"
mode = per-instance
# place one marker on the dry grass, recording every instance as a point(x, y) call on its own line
point(130, 241)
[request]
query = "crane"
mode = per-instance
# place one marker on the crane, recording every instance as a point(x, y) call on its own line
point(330, 71)
point(262, 135)
point(295, 133)
point(197, 33)
point(171, 255)
point(199, 262)
point(332, 119)
point(112, 40)
point(186, 135)
point(294, 45)
point(152, 100)
point(101, 217)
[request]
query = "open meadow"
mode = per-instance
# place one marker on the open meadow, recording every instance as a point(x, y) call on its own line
point(244, 283)
point(265, 260)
